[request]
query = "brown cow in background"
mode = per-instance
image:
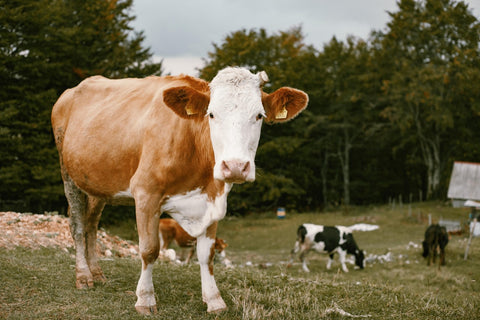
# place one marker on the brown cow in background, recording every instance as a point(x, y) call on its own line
point(170, 230)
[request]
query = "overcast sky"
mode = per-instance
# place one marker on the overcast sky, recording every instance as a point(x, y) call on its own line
point(182, 32)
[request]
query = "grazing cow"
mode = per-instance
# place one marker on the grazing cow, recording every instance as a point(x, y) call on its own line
point(173, 144)
point(170, 230)
point(436, 239)
point(329, 240)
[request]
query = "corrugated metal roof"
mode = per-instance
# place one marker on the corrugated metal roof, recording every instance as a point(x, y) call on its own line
point(465, 181)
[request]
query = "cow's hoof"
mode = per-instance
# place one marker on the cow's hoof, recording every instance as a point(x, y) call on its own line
point(216, 306)
point(99, 278)
point(146, 310)
point(97, 274)
point(84, 283)
point(217, 310)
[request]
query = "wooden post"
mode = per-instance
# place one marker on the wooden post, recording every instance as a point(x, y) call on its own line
point(472, 230)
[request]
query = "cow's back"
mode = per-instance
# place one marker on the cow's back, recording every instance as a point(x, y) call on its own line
point(104, 128)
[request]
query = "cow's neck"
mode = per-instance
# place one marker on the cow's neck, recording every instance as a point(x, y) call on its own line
point(193, 154)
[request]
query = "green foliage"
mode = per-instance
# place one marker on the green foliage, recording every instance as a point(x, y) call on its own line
point(45, 48)
point(431, 48)
point(387, 116)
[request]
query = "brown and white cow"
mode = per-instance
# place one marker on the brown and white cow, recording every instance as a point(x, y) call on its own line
point(173, 144)
point(170, 230)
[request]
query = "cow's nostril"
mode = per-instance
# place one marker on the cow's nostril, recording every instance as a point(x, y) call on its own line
point(235, 170)
point(246, 168)
point(225, 169)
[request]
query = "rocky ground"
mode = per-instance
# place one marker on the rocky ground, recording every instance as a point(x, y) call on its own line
point(43, 230)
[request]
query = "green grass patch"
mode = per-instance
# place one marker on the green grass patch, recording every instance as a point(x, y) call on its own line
point(40, 284)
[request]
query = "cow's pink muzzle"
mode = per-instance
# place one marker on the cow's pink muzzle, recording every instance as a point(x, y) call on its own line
point(235, 171)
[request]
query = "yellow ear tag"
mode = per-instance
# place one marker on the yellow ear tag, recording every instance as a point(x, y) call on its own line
point(190, 111)
point(282, 114)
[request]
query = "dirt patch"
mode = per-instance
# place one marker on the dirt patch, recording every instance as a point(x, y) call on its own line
point(38, 230)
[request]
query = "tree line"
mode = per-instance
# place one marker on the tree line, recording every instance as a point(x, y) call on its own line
point(387, 115)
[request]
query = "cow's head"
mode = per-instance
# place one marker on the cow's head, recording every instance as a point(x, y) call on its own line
point(360, 258)
point(236, 107)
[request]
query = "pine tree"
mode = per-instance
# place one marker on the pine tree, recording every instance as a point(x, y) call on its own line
point(47, 46)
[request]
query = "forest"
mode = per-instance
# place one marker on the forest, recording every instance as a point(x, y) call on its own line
point(387, 115)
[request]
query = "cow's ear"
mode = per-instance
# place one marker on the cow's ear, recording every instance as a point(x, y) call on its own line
point(284, 104)
point(187, 102)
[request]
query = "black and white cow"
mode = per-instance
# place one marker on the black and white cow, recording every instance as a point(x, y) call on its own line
point(328, 240)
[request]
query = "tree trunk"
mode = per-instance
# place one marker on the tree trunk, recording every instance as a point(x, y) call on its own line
point(323, 173)
point(345, 163)
point(430, 148)
point(431, 157)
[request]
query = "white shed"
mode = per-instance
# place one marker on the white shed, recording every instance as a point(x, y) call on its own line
point(464, 183)
point(464, 190)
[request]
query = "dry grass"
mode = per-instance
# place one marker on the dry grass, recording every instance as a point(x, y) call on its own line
point(39, 284)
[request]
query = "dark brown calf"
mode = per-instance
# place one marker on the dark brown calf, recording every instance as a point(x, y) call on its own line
point(436, 239)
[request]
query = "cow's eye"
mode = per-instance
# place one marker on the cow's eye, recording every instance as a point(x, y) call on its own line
point(211, 115)
point(259, 116)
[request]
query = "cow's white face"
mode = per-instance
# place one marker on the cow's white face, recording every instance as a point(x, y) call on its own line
point(235, 107)
point(235, 115)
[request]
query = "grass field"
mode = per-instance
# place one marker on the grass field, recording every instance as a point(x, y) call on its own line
point(39, 284)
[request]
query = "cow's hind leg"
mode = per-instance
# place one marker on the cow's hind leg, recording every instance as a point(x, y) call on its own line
point(442, 256)
point(191, 251)
point(206, 254)
point(294, 251)
point(94, 211)
point(431, 255)
point(303, 253)
point(77, 208)
point(435, 253)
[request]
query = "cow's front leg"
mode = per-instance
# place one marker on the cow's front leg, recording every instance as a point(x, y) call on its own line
point(303, 259)
point(206, 254)
point(330, 260)
point(149, 244)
